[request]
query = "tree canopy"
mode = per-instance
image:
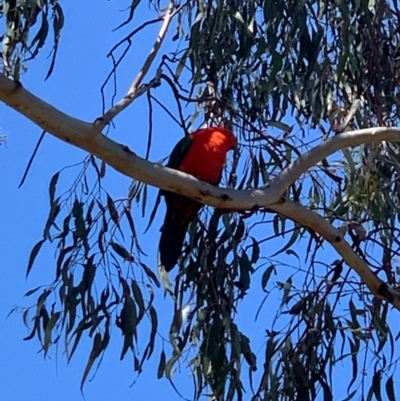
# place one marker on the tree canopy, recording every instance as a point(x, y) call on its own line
point(311, 90)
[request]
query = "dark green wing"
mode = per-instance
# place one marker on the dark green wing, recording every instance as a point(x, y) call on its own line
point(179, 152)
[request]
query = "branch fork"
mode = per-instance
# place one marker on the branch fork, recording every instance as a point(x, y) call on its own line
point(136, 89)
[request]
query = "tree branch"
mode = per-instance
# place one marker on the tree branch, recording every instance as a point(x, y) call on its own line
point(80, 133)
point(341, 141)
point(135, 90)
point(317, 223)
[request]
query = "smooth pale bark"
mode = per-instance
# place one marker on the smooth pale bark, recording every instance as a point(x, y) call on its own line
point(86, 136)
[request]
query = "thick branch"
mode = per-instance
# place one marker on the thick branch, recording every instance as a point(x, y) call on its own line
point(341, 141)
point(135, 91)
point(79, 133)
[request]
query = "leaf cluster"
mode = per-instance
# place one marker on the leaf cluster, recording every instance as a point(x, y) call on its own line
point(98, 282)
point(27, 28)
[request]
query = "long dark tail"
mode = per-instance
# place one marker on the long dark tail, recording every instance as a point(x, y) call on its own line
point(171, 241)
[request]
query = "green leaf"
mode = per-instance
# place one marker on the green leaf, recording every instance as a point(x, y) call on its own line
point(151, 275)
point(354, 348)
point(235, 341)
point(40, 38)
point(287, 286)
point(32, 257)
point(256, 251)
point(30, 292)
point(77, 213)
point(161, 365)
point(48, 330)
point(25, 315)
point(376, 385)
point(246, 269)
point(298, 307)
point(353, 313)
point(121, 251)
point(169, 365)
point(113, 210)
point(281, 125)
point(94, 354)
point(40, 302)
point(181, 64)
point(53, 213)
point(248, 354)
point(152, 340)
point(266, 276)
point(82, 326)
point(390, 389)
point(239, 230)
point(129, 323)
point(53, 187)
point(137, 294)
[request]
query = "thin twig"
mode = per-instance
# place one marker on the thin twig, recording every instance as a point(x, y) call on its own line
point(136, 90)
point(182, 124)
point(133, 33)
point(113, 73)
point(31, 159)
point(150, 136)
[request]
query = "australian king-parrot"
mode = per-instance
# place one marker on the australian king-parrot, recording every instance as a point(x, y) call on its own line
point(203, 155)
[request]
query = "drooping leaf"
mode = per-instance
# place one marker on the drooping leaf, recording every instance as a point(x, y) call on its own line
point(48, 331)
point(161, 365)
point(266, 276)
point(128, 324)
point(97, 348)
point(34, 253)
point(121, 251)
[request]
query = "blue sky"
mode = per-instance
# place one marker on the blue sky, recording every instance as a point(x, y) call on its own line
point(74, 87)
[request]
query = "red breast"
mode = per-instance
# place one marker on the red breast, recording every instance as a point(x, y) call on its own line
point(206, 157)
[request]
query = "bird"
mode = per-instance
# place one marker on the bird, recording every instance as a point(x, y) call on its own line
point(203, 155)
